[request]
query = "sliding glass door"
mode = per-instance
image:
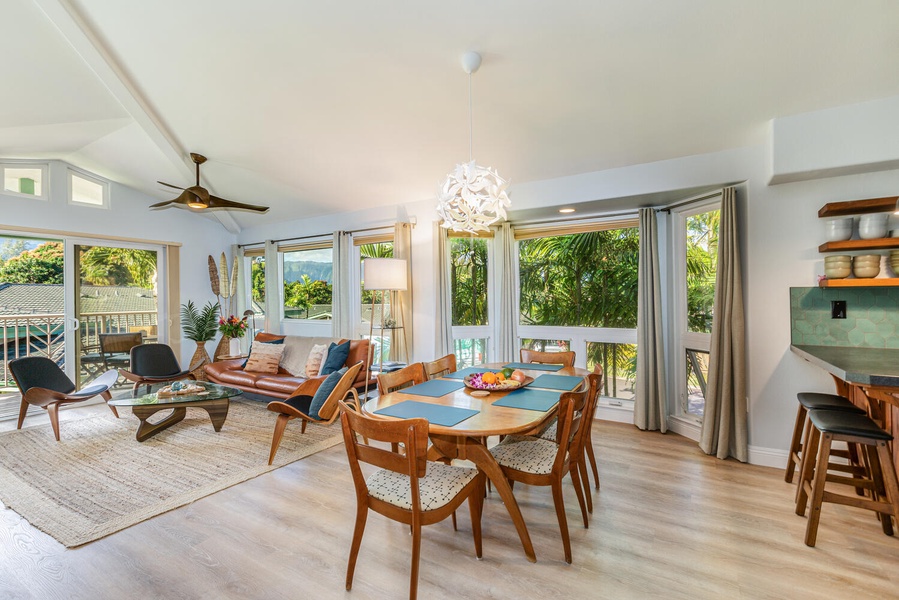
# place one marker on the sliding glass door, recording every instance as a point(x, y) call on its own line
point(114, 304)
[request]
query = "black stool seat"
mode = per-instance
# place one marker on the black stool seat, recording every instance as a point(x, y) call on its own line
point(846, 423)
point(819, 401)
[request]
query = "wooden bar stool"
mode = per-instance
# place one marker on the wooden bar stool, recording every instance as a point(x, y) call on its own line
point(830, 426)
point(814, 401)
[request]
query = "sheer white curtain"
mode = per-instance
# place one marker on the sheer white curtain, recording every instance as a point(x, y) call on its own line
point(443, 317)
point(342, 295)
point(507, 345)
point(650, 410)
point(272, 289)
point(402, 248)
point(724, 422)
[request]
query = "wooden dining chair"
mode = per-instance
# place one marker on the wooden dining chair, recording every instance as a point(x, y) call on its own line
point(441, 366)
point(315, 401)
point(405, 377)
point(550, 434)
point(566, 359)
point(406, 487)
point(536, 461)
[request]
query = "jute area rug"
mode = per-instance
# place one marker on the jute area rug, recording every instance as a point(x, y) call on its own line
point(99, 479)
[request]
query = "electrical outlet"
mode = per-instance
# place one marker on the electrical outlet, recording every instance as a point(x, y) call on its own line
point(837, 309)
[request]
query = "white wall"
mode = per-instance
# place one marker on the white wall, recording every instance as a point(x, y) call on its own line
point(129, 217)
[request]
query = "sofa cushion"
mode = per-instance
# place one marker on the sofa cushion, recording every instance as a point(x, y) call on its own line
point(264, 358)
point(296, 352)
point(337, 355)
point(235, 376)
point(280, 384)
point(315, 360)
point(324, 390)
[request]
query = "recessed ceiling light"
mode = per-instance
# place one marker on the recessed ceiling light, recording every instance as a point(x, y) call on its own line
point(566, 210)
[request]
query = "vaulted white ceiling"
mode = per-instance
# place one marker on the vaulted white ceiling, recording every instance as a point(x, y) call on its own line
point(320, 107)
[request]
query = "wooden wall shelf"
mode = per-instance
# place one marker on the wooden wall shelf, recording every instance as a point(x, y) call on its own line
point(833, 283)
point(858, 207)
point(875, 244)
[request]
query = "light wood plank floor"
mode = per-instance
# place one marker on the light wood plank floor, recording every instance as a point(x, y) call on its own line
point(669, 522)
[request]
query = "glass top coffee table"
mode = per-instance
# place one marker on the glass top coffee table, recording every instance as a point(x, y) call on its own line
point(214, 399)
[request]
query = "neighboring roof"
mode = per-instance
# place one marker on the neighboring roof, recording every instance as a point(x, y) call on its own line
point(37, 298)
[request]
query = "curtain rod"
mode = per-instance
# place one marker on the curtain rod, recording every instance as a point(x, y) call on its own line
point(629, 213)
point(671, 207)
point(309, 237)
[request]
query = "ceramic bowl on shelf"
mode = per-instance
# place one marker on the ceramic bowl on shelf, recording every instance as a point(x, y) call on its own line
point(837, 272)
point(866, 260)
point(837, 258)
point(872, 226)
point(838, 230)
point(866, 272)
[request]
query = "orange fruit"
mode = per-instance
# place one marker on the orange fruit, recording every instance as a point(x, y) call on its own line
point(489, 378)
point(500, 377)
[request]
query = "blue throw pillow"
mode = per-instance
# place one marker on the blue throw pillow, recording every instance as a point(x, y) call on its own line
point(323, 391)
point(337, 355)
point(250, 351)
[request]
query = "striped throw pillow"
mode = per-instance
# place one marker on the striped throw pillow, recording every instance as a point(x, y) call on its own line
point(264, 358)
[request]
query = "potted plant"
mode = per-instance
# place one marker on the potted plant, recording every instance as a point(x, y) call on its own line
point(200, 326)
point(233, 329)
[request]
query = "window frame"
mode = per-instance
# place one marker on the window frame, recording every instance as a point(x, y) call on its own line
point(71, 173)
point(45, 180)
point(477, 332)
point(311, 246)
point(683, 339)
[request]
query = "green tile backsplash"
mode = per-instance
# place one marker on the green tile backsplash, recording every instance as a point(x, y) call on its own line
point(872, 317)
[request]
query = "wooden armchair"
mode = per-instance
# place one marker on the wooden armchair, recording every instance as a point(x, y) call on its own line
point(115, 348)
point(441, 366)
point(314, 401)
point(151, 364)
point(566, 359)
point(406, 488)
point(43, 384)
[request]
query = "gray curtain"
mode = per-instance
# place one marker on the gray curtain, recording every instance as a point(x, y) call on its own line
point(400, 347)
point(443, 336)
point(272, 289)
point(507, 345)
point(724, 424)
point(341, 298)
point(650, 410)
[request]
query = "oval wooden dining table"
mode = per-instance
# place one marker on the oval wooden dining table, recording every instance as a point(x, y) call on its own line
point(465, 440)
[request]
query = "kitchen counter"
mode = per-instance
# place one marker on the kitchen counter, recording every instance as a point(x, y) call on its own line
point(861, 366)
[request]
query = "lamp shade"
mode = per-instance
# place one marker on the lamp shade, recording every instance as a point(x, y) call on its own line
point(384, 274)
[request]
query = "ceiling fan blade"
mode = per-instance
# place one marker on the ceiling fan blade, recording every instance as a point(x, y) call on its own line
point(216, 202)
point(177, 187)
point(164, 204)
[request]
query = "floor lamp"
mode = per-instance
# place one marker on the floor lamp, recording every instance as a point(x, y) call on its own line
point(383, 275)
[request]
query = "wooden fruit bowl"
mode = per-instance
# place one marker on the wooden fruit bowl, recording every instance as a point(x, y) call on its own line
point(501, 386)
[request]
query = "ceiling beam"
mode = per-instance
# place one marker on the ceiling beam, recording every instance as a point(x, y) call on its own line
point(87, 44)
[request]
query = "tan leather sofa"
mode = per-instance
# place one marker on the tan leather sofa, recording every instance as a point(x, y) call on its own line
point(281, 384)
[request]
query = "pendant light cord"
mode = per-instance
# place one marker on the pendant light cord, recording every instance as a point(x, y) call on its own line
point(470, 126)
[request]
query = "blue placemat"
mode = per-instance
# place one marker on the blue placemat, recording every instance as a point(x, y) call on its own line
point(566, 383)
point(529, 399)
point(434, 413)
point(533, 366)
point(434, 388)
point(463, 373)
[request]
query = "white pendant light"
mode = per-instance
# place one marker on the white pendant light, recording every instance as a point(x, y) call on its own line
point(472, 197)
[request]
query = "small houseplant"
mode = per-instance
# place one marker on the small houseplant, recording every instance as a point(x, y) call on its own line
point(199, 325)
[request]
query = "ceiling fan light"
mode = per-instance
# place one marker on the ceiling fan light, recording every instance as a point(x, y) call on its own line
point(197, 204)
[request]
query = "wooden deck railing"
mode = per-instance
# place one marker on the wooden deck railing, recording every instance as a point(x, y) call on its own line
point(44, 335)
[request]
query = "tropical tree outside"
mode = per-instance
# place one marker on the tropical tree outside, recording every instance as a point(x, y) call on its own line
point(468, 274)
point(104, 265)
point(43, 264)
point(702, 262)
point(584, 280)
